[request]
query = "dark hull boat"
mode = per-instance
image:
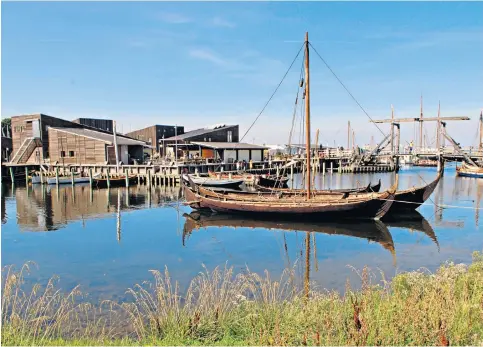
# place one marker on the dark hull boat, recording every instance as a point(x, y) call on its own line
point(117, 181)
point(369, 188)
point(320, 207)
point(410, 199)
point(273, 181)
point(374, 231)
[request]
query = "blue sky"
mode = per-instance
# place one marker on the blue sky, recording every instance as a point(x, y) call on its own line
point(199, 63)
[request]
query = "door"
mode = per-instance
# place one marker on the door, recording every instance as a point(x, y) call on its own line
point(36, 128)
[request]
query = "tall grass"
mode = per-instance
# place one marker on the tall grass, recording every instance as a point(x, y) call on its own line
point(221, 308)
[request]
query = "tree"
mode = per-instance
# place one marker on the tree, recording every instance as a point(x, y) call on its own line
point(6, 121)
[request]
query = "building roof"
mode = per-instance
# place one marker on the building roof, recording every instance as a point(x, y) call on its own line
point(198, 132)
point(101, 136)
point(229, 145)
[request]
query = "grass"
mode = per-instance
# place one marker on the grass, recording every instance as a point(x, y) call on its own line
point(221, 308)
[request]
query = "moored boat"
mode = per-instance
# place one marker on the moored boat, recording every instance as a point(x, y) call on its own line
point(466, 170)
point(213, 182)
point(114, 181)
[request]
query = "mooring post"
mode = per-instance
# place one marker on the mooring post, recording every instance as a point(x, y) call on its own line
point(41, 176)
point(11, 174)
point(72, 177)
point(331, 167)
point(340, 166)
point(27, 175)
point(127, 177)
point(108, 179)
point(57, 175)
point(323, 168)
point(90, 176)
point(149, 178)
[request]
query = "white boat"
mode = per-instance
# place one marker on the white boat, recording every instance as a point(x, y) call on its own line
point(68, 179)
point(213, 182)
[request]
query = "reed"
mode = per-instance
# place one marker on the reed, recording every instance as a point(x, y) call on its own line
point(223, 308)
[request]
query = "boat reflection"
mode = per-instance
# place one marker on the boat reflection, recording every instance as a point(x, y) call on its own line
point(374, 231)
point(413, 221)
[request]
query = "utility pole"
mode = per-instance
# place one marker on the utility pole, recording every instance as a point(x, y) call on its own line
point(348, 134)
point(421, 125)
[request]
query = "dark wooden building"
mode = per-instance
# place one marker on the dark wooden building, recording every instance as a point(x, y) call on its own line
point(89, 146)
point(153, 134)
point(216, 133)
point(6, 142)
point(102, 124)
point(30, 138)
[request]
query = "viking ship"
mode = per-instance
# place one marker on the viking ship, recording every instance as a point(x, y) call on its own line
point(412, 198)
point(307, 205)
point(367, 189)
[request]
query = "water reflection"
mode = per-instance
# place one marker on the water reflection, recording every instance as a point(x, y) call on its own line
point(48, 208)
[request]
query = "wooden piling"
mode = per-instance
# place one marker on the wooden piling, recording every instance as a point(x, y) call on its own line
point(26, 175)
point(108, 179)
point(127, 177)
point(90, 177)
point(57, 176)
point(72, 177)
point(323, 168)
point(11, 175)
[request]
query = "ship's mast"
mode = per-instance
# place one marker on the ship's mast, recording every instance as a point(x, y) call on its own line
point(307, 112)
point(480, 144)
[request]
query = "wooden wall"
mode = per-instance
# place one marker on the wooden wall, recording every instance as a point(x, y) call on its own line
point(86, 150)
point(155, 133)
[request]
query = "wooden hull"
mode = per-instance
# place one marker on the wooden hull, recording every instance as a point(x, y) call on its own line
point(411, 199)
point(273, 181)
point(212, 182)
point(374, 231)
point(375, 188)
point(114, 181)
point(67, 180)
point(369, 206)
point(469, 171)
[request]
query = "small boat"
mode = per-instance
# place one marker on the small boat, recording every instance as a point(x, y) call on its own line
point(369, 188)
point(114, 181)
point(426, 163)
point(412, 198)
point(273, 181)
point(78, 178)
point(466, 170)
point(213, 182)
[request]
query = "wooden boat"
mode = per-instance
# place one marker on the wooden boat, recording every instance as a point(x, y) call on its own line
point(466, 170)
point(426, 163)
point(374, 231)
point(35, 179)
point(273, 181)
point(114, 181)
point(321, 207)
point(412, 198)
point(293, 204)
point(212, 182)
point(369, 188)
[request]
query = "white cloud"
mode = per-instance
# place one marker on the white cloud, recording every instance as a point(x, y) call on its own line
point(220, 22)
point(208, 55)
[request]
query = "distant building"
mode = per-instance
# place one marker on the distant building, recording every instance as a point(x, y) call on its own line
point(153, 134)
point(215, 133)
point(31, 142)
point(102, 124)
point(89, 146)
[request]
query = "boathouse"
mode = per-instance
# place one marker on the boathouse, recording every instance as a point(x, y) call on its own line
point(153, 134)
point(227, 152)
point(215, 133)
point(88, 146)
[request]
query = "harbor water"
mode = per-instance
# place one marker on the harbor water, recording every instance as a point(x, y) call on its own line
point(107, 240)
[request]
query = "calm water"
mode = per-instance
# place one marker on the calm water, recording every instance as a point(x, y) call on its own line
point(108, 240)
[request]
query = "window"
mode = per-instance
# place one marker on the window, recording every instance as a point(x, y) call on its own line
point(229, 136)
point(71, 154)
point(62, 154)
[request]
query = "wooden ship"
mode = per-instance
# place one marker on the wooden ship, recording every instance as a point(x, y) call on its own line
point(294, 204)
